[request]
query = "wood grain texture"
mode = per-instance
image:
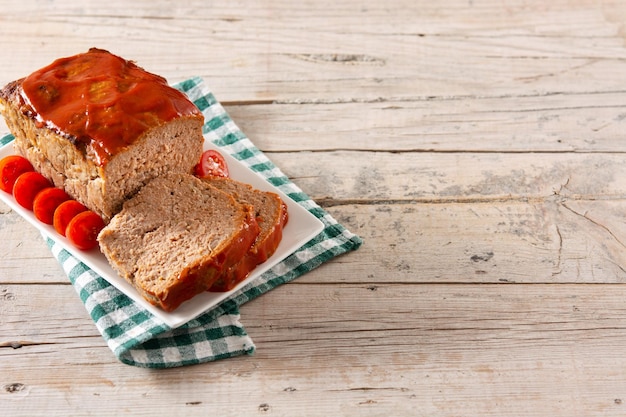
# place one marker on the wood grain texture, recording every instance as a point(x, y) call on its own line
point(476, 146)
point(410, 348)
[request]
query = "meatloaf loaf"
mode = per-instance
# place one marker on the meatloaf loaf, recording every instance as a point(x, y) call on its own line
point(101, 127)
point(175, 238)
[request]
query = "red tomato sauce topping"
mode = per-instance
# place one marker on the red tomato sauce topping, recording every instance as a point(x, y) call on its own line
point(102, 102)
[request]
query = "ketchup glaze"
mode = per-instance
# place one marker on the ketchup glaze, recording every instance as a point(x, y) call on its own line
point(101, 102)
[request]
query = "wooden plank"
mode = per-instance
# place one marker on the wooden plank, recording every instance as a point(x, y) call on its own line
point(498, 242)
point(454, 177)
point(489, 350)
point(562, 122)
point(338, 52)
point(395, 173)
point(558, 242)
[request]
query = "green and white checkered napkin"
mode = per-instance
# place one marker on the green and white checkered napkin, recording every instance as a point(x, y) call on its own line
point(138, 338)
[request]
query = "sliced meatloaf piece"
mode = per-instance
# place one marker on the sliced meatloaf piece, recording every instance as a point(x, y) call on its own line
point(101, 127)
point(176, 236)
point(271, 215)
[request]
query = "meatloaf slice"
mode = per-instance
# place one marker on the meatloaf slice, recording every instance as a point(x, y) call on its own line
point(176, 236)
point(271, 215)
point(101, 127)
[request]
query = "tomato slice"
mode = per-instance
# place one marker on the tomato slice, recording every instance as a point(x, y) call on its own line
point(46, 203)
point(212, 164)
point(12, 167)
point(65, 213)
point(27, 186)
point(83, 230)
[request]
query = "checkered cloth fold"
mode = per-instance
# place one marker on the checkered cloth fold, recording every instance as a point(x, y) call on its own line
point(138, 338)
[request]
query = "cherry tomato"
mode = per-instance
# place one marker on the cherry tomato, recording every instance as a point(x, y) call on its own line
point(12, 167)
point(27, 186)
point(83, 230)
point(212, 163)
point(46, 203)
point(65, 213)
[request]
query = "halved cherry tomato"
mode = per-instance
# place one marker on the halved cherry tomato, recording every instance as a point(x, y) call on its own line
point(65, 213)
point(212, 163)
point(12, 167)
point(27, 186)
point(46, 203)
point(83, 230)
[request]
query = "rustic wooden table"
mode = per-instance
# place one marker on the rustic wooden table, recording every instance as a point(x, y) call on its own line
point(476, 146)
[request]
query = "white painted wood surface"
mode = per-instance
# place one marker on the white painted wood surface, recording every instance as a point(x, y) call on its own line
point(477, 147)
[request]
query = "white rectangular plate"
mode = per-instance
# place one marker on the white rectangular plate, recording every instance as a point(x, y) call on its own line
point(301, 227)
